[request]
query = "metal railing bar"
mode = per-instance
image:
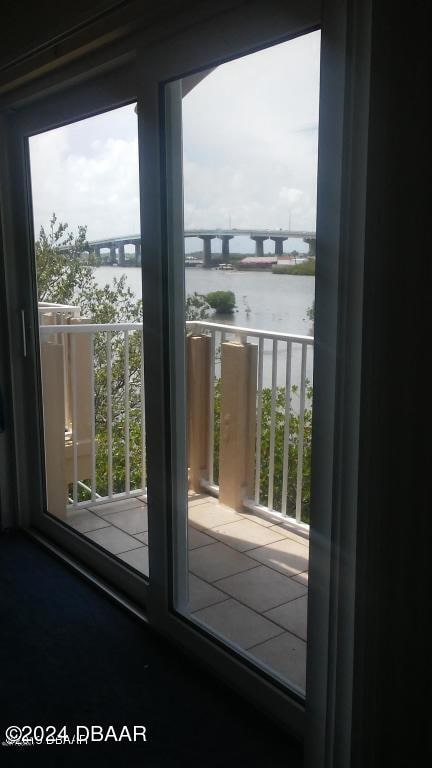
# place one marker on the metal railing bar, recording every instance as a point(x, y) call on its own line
point(211, 409)
point(259, 420)
point(74, 421)
point(288, 521)
point(86, 488)
point(109, 414)
point(272, 425)
point(236, 329)
point(285, 465)
point(105, 499)
point(126, 423)
point(92, 420)
point(143, 441)
point(301, 435)
point(46, 330)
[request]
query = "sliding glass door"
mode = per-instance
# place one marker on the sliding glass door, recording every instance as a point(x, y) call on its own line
point(85, 194)
point(229, 187)
point(165, 227)
point(242, 166)
point(81, 322)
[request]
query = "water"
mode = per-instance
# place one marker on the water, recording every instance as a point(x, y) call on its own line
point(264, 301)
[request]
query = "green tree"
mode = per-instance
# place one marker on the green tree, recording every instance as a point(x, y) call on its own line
point(223, 302)
point(311, 311)
point(197, 308)
point(60, 273)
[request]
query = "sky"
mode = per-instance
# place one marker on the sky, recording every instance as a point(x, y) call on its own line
point(250, 135)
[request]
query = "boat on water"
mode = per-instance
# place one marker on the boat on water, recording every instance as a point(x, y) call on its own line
point(191, 262)
point(226, 267)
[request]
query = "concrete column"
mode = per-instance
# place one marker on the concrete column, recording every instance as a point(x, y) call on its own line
point(53, 396)
point(198, 393)
point(225, 247)
point(84, 363)
point(98, 252)
point(311, 241)
point(278, 241)
point(113, 255)
point(259, 244)
point(121, 255)
point(237, 424)
point(137, 254)
point(207, 254)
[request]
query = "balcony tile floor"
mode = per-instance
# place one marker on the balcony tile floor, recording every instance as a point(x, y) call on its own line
point(247, 580)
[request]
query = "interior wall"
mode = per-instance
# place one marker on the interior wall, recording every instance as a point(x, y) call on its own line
point(31, 26)
point(392, 655)
point(57, 33)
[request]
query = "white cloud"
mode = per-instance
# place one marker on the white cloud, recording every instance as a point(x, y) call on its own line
point(87, 182)
point(250, 140)
point(250, 152)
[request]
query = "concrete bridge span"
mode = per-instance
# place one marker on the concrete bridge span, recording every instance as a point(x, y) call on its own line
point(116, 245)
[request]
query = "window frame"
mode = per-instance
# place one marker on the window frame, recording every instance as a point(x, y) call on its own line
point(345, 30)
point(94, 94)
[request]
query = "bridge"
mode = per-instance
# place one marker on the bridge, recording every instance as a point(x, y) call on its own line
point(116, 245)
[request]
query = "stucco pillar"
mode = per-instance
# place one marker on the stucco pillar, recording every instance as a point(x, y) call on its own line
point(237, 423)
point(198, 394)
point(84, 363)
point(53, 397)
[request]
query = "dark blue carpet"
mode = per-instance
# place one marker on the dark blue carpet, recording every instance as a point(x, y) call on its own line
point(69, 655)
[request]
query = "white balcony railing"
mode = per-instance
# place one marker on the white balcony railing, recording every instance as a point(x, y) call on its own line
point(284, 360)
point(104, 430)
point(101, 390)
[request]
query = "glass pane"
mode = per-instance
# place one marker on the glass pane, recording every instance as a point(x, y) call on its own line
point(250, 134)
point(85, 193)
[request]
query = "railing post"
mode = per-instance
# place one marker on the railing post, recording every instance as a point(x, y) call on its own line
point(82, 429)
point(198, 392)
point(237, 425)
point(54, 426)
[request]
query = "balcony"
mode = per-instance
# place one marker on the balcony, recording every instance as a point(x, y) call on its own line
point(248, 418)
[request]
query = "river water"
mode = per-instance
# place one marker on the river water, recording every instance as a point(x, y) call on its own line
point(264, 301)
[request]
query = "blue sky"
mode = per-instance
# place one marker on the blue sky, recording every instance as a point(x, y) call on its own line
point(250, 132)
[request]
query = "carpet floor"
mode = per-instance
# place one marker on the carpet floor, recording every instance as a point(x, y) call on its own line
point(69, 655)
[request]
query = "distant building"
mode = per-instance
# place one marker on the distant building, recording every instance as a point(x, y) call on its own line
point(257, 262)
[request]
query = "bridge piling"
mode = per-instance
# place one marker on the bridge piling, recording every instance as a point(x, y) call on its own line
point(137, 254)
point(311, 241)
point(278, 241)
point(259, 244)
point(225, 247)
point(207, 252)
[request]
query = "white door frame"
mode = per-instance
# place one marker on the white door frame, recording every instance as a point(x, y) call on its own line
point(340, 231)
point(337, 346)
point(95, 94)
